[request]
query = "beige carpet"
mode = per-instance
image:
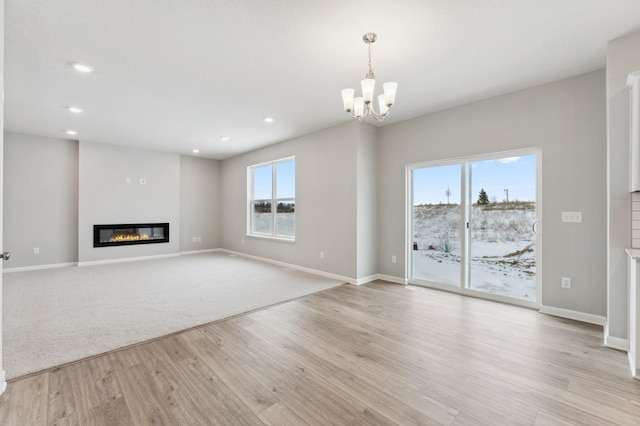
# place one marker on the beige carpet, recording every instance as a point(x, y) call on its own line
point(56, 316)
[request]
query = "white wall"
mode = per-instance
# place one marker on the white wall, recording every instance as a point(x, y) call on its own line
point(566, 119)
point(199, 203)
point(326, 191)
point(104, 197)
point(40, 200)
point(622, 58)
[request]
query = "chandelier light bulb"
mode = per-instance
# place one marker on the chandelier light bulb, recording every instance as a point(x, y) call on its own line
point(358, 107)
point(390, 92)
point(347, 99)
point(361, 107)
point(382, 103)
point(368, 84)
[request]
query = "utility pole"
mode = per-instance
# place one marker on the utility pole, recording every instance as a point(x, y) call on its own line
point(506, 191)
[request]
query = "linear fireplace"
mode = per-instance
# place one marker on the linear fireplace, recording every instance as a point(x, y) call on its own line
point(128, 234)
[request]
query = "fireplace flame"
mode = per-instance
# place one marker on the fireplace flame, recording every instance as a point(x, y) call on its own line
point(129, 237)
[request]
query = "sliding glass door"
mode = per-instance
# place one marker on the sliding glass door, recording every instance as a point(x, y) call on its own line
point(473, 226)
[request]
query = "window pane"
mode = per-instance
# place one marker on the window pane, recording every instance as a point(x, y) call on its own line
point(285, 218)
point(261, 220)
point(262, 182)
point(286, 179)
point(436, 224)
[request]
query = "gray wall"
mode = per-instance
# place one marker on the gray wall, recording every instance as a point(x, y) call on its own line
point(199, 203)
point(2, 373)
point(367, 201)
point(566, 119)
point(326, 180)
point(40, 200)
point(622, 58)
point(104, 197)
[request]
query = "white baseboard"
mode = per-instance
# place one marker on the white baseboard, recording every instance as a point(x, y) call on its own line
point(635, 373)
point(127, 259)
point(296, 267)
point(182, 253)
point(392, 279)
point(3, 382)
point(365, 280)
point(573, 315)
point(37, 267)
point(99, 262)
point(616, 343)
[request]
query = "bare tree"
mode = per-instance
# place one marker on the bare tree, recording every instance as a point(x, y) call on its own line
point(448, 194)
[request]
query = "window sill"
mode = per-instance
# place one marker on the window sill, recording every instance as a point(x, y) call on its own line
point(271, 238)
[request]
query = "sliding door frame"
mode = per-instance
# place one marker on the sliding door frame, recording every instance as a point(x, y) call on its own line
point(465, 205)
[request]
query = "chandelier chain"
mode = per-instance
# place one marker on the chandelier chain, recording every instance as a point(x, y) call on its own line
point(370, 74)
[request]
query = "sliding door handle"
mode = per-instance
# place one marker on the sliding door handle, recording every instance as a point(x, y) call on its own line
point(534, 227)
point(6, 255)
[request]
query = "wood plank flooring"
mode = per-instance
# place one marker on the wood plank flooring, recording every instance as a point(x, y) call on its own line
point(378, 354)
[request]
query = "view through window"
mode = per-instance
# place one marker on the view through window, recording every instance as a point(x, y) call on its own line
point(272, 202)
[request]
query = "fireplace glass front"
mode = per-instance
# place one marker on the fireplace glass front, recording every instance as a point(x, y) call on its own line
point(128, 234)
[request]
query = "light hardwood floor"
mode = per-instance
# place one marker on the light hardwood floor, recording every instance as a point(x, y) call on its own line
point(378, 354)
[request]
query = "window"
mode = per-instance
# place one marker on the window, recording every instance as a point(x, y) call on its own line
point(272, 199)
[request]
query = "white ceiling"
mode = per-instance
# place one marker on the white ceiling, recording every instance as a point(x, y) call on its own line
point(176, 75)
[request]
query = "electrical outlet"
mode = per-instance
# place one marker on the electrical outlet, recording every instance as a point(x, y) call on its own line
point(197, 239)
point(393, 259)
point(128, 180)
point(321, 255)
point(143, 181)
point(575, 217)
point(566, 282)
point(242, 242)
point(36, 250)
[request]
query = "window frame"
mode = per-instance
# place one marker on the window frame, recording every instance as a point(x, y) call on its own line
point(273, 200)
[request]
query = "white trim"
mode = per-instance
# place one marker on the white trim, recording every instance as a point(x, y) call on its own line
point(466, 203)
point(271, 237)
point(185, 253)
point(392, 279)
point(37, 267)
point(468, 292)
point(3, 381)
point(368, 279)
point(573, 315)
point(296, 267)
point(635, 373)
point(70, 264)
point(616, 343)
point(127, 259)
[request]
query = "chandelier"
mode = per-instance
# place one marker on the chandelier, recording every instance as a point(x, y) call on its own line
point(361, 107)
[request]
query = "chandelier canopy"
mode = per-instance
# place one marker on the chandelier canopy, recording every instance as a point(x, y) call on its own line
point(361, 107)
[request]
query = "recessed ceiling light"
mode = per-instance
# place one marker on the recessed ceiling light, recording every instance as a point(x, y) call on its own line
point(82, 67)
point(75, 109)
point(71, 132)
point(195, 151)
point(268, 119)
point(224, 138)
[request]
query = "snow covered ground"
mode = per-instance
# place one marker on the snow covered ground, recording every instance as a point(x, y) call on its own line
point(502, 247)
point(285, 224)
